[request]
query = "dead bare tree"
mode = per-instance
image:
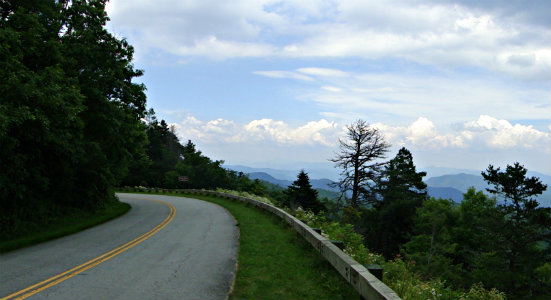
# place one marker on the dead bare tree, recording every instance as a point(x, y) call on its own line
point(358, 158)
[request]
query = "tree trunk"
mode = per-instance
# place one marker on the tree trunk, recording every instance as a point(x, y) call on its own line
point(356, 183)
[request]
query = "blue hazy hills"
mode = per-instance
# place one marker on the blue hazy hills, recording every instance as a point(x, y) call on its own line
point(447, 186)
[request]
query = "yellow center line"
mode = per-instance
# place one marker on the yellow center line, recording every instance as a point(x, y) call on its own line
point(35, 288)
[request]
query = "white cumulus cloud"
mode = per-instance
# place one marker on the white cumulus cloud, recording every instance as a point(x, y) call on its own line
point(486, 132)
point(220, 131)
point(421, 133)
point(320, 132)
point(502, 134)
point(213, 131)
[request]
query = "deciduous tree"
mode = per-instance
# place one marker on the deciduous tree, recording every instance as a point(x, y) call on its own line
point(102, 66)
point(40, 105)
point(69, 111)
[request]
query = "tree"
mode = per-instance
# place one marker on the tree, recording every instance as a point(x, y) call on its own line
point(69, 111)
point(102, 66)
point(40, 129)
point(357, 159)
point(202, 172)
point(400, 181)
point(513, 185)
point(519, 252)
point(477, 234)
point(458, 243)
point(432, 247)
point(401, 191)
point(503, 245)
point(164, 150)
point(301, 194)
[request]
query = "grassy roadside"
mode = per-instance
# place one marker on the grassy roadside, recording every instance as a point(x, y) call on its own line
point(68, 224)
point(277, 263)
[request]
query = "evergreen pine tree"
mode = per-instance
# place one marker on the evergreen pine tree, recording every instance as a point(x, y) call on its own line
point(301, 194)
point(401, 191)
point(525, 225)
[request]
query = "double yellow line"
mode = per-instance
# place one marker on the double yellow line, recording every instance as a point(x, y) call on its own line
point(33, 289)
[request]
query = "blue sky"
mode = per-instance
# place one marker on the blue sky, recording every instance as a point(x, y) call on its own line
point(273, 83)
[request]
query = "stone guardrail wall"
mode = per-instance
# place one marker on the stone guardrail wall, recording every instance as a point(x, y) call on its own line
point(368, 286)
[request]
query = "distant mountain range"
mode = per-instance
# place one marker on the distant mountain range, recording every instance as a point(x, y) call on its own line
point(315, 171)
point(445, 193)
point(316, 183)
point(462, 182)
point(448, 186)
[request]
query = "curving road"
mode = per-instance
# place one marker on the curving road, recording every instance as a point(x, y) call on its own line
point(178, 248)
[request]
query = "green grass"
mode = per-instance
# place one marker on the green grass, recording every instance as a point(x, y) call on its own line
point(275, 262)
point(69, 223)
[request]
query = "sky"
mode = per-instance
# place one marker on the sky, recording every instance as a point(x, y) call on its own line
point(264, 83)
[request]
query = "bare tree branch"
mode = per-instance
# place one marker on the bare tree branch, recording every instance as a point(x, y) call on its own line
point(357, 159)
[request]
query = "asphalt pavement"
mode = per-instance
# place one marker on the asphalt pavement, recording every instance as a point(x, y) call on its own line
point(178, 248)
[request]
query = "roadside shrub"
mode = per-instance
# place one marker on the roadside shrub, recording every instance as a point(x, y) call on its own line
point(478, 292)
point(246, 195)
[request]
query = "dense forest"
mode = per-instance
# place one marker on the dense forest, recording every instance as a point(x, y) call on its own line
point(70, 115)
point(74, 126)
